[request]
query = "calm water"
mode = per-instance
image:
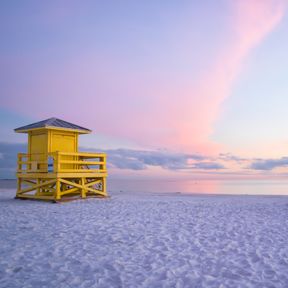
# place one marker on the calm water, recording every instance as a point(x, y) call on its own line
point(250, 187)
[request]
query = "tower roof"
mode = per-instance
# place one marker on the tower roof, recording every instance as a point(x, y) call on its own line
point(52, 123)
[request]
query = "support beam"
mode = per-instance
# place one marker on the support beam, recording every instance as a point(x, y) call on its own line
point(41, 187)
point(34, 187)
point(80, 186)
point(69, 191)
point(29, 181)
point(41, 197)
point(93, 182)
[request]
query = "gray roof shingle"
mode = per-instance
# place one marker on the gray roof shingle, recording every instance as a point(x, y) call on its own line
point(52, 122)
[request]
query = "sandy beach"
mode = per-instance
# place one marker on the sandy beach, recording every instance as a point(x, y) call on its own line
point(144, 240)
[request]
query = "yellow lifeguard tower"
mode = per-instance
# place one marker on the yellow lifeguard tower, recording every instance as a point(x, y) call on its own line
point(53, 169)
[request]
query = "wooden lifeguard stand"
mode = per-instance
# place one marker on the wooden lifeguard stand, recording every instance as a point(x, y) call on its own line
point(53, 168)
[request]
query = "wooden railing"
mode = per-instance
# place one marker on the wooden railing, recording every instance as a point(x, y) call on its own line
point(62, 162)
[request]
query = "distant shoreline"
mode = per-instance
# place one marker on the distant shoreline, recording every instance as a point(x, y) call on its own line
point(8, 184)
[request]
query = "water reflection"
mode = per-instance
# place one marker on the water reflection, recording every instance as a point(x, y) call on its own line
point(250, 187)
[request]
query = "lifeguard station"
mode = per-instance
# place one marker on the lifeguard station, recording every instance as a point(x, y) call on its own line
point(53, 169)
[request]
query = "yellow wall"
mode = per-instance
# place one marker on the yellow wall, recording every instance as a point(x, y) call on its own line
point(37, 142)
point(48, 140)
point(45, 140)
point(37, 145)
point(64, 141)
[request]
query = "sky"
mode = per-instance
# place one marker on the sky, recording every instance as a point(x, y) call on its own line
point(170, 88)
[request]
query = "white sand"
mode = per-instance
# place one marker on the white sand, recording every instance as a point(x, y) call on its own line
point(152, 240)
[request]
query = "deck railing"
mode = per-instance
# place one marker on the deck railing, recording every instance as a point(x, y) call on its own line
point(62, 162)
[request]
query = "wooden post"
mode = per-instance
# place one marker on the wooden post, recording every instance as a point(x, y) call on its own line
point(38, 188)
point(104, 185)
point(19, 162)
point(57, 164)
point(57, 190)
point(83, 190)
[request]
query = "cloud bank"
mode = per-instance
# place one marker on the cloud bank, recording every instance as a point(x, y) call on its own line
point(269, 164)
point(138, 160)
point(121, 159)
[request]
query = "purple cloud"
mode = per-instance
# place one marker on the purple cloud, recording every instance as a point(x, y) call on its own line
point(269, 164)
point(209, 166)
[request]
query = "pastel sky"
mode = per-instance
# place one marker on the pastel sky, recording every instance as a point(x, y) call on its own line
point(168, 87)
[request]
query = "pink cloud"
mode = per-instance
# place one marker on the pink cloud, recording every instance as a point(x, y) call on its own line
point(150, 107)
point(251, 21)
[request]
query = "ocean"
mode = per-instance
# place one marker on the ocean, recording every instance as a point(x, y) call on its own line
point(238, 187)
